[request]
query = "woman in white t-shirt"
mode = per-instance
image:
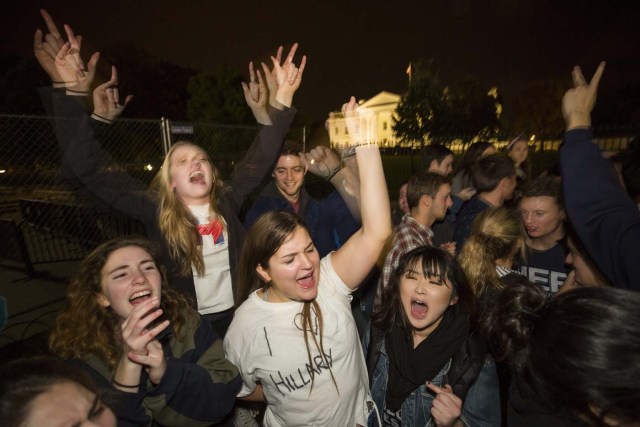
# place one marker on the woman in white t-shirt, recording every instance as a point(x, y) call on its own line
point(294, 339)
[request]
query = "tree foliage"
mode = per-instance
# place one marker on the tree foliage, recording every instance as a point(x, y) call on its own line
point(435, 110)
point(536, 108)
point(19, 80)
point(159, 87)
point(218, 98)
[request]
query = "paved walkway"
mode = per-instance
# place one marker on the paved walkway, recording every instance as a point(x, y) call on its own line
point(33, 303)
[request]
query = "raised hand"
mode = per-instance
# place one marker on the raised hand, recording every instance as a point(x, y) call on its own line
point(466, 193)
point(578, 102)
point(135, 335)
point(61, 60)
point(66, 66)
point(46, 50)
point(289, 76)
point(321, 161)
point(255, 94)
point(446, 407)
point(75, 42)
point(272, 80)
point(140, 349)
point(106, 99)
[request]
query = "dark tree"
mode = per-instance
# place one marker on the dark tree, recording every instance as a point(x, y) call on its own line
point(19, 79)
point(436, 111)
point(218, 98)
point(159, 87)
point(536, 108)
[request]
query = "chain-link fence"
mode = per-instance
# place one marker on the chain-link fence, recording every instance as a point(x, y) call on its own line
point(45, 219)
point(400, 163)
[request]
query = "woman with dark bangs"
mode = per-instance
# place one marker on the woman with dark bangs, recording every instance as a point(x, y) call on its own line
point(425, 355)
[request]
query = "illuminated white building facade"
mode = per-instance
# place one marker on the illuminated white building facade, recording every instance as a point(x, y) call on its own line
point(379, 120)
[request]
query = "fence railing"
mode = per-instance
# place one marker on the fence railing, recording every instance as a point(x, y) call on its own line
point(44, 218)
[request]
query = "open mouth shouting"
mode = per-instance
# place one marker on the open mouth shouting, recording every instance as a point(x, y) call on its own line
point(197, 177)
point(419, 309)
point(140, 297)
point(307, 282)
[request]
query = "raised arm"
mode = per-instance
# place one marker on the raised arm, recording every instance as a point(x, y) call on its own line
point(106, 100)
point(259, 160)
point(272, 80)
point(353, 261)
point(604, 217)
point(288, 76)
point(82, 156)
point(323, 162)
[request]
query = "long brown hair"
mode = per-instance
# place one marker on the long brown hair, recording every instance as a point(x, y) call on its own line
point(86, 328)
point(263, 240)
point(177, 224)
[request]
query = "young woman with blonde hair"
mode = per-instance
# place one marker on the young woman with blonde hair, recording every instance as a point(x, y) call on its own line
point(190, 213)
point(294, 339)
point(488, 254)
point(496, 238)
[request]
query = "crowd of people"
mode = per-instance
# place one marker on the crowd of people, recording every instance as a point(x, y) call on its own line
point(497, 299)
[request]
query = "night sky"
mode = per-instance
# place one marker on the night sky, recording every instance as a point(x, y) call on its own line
point(355, 47)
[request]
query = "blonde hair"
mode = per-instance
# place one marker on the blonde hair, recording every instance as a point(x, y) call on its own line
point(496, 233)
point(177, 225)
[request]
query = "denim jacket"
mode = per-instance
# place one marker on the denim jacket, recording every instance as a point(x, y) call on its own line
point(481, 405)
point(416, 408)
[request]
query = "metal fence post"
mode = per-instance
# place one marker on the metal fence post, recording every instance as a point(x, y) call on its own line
point(165, 125)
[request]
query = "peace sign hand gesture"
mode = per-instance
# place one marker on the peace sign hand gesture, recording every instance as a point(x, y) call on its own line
point(578, 102)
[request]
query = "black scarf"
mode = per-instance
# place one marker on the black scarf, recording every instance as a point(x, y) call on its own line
point(409, 368)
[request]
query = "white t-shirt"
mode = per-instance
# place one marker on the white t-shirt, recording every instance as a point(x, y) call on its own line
point(214, 291)
point(265, 341)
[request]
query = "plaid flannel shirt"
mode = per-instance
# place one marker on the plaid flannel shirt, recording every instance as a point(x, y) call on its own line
point(407, 235)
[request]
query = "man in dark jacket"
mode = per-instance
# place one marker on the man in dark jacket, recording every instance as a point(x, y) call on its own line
point(330, 220)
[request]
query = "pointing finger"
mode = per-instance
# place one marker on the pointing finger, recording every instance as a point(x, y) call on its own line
point(438, 390)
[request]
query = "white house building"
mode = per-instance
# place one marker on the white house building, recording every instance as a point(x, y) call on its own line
point(380, 110)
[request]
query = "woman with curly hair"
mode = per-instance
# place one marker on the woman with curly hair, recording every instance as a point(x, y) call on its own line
point(138, 337)
point(190, 212)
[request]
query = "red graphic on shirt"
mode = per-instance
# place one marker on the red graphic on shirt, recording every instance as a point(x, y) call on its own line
point(213, 229)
